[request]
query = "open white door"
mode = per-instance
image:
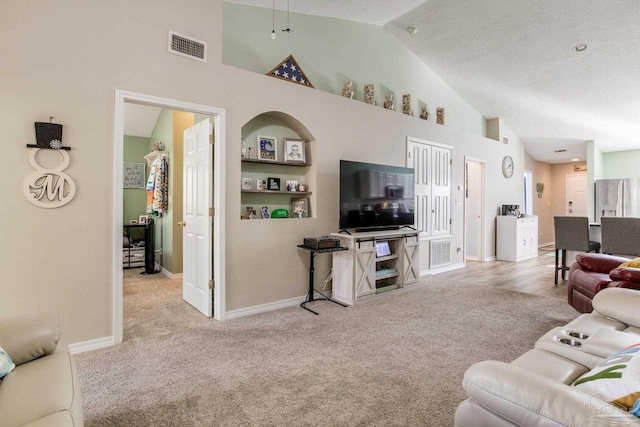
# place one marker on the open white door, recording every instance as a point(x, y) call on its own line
point(197, 223)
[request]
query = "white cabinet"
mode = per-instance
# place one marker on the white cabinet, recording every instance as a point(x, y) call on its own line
point(361, 271)
point(516, 238)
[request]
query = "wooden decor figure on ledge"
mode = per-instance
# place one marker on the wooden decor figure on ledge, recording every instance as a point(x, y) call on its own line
point(347, 90)
point(388, 102)
point(440, 115)
point(368, 94)
point(424, 112)
point(289, 70)
point(406, 104)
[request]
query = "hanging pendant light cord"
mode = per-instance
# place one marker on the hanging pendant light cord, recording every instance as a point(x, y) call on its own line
point(273, 20)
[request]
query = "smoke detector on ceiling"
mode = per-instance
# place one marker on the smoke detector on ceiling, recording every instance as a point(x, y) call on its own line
point(412, 30)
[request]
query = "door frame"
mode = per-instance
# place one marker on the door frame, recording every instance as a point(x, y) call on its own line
point(219, 120)
point(483, 203)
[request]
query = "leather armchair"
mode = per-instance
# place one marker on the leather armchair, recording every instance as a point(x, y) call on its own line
point(43, 389)
point(592, 273)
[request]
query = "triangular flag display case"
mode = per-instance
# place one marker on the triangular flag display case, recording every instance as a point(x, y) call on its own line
point(289, 70)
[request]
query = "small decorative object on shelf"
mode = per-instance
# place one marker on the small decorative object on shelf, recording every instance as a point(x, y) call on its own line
point(264, 211)
point(261, 184)
point(347, 90)
point(294, 151)
point(143, 219)
point(302, 188)
point(280, 213)
point(388, 102)
point(300, 207)
point(247, 183)
point(273, 184)
point(251, 213)
point(243, 151)
point(424, 112)
point(368, 94)
point(267, 148)
point(406, 104)
point(292, 186)
point(440, 115)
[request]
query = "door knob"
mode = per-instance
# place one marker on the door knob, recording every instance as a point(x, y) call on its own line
point(182, 224)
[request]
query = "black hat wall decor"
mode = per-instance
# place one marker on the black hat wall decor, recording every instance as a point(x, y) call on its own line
point(48, 187)
point(48, 135)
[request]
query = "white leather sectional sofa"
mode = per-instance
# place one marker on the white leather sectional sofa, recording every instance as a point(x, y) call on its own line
point(586, 373)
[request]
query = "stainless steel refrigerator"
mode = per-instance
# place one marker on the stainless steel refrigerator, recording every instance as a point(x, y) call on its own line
point(617, 197)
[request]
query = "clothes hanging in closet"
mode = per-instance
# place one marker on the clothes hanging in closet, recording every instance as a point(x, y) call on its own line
point(158, 186)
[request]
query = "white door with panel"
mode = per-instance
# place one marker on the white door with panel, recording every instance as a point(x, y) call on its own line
point(197, 218)
point(432, 169)
point(576, 198)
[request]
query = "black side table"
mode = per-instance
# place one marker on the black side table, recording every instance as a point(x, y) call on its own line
point(312, 254)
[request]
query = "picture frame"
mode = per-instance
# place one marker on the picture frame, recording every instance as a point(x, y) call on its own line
point(261, 184)
point(247, 183)
point(134, 175)
point(264, 211)
point(300, 207)
point(273, 184)
point(143, 219)
point(251, 213)
point(291, 185)
point(382, 248)
point(268, 148)
point(294, 151)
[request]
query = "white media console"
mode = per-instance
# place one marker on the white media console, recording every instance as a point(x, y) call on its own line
point(376, 262)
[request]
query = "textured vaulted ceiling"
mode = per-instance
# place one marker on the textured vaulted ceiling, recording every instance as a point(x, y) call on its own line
point(514, 59)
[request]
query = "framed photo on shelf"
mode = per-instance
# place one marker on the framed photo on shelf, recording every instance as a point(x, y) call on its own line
point(267, 148)
point(143, 219)
point(383, 249)
point(251, 213)
point(261, 184)
point(247, 183)
point(292, 185)
point(294, 151)
point(300, 207)
point(264, 211)
point(273, 184)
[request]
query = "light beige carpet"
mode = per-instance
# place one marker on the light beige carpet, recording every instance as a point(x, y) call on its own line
point(392, 360)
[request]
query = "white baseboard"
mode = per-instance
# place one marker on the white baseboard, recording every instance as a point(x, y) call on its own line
point(490, 258)
point(262, 308)
point(446, 268)
point(171, 275)
point(90, 345)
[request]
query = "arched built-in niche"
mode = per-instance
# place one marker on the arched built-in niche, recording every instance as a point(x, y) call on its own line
point(257, 171)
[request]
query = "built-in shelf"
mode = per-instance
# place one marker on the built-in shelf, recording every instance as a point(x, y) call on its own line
point(292, 193)
point(270, 162)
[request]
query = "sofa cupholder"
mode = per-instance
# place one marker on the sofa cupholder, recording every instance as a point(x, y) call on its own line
point(579, 335)
point(570, 341)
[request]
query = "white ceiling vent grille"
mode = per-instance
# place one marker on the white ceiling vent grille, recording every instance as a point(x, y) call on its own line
point(187, 46)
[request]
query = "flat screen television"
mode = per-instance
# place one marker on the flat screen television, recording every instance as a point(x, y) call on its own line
point(375, 197)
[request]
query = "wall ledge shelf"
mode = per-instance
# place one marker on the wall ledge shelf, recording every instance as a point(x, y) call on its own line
point(270, 162)
point(292, 193)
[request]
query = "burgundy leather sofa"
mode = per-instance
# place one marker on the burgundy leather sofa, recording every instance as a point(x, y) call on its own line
point(593, 272)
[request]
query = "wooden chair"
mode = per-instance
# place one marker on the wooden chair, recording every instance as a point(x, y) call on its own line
point(572, 233)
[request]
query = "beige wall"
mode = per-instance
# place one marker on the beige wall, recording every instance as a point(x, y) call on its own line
point(68, 59)
point(541, 173)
